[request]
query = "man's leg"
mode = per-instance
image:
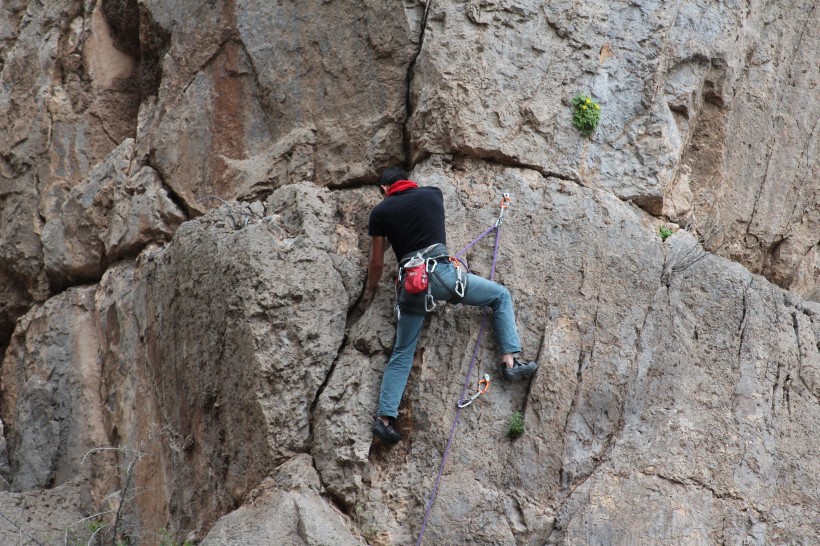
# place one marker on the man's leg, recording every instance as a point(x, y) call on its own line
point(398, 368)
point(482, 292)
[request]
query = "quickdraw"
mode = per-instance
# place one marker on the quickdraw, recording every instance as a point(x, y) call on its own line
point(483, 387)
point(460, 286)
point(505, 202)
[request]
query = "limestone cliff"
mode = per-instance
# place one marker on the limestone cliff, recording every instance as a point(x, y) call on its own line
point(184, 191)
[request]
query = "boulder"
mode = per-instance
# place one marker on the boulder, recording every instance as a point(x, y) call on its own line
point(287, 509)
point(115, 213)
point(51, 412)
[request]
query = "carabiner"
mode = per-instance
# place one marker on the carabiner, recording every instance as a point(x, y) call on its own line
point(429, 303)
point(485, 381)
point(459, 281)
point(505, 202)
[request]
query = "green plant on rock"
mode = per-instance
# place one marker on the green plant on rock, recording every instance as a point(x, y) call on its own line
point(587, 114)
point(166, 538)
point(95, 525)
point(665, 232)
point(516, 427)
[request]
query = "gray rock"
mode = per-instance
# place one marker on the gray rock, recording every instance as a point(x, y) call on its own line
point(240, 397)
point(112, 215)
point(52, 414)
point(677, 395)
point(286, 509)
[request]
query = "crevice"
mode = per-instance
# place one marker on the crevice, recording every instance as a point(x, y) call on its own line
point(700, 485)
point(175, 198)
point(366, 181)
point(408, 102)
point(786, 393)
point(218, 50)
point(325, 382)
point(742, 327)
point(579, 377)
point(334, 499)
point(532, 379)
point(796, 326)
point(774, 389)
point(136, 34)
point(495, 157)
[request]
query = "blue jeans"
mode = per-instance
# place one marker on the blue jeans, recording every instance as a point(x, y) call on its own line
point(480, 292)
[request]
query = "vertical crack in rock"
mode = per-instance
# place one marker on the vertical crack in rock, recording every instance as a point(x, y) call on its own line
point(796, 326)
point(541, 347)
point(325, 381)
point(774, 388)
point(808, 19)
point(788, 380)
point(742, 327)
point(408, 146)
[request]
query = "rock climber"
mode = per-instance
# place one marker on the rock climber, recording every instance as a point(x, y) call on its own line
point(411, 218)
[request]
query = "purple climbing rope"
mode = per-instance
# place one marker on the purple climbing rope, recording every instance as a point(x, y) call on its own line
point(497, 228)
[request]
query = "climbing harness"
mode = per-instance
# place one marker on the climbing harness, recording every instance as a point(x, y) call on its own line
point(505, 201)
point(463, 403)
point(414, 275)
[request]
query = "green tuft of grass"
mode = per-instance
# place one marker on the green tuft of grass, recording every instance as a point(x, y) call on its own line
point(516, 427)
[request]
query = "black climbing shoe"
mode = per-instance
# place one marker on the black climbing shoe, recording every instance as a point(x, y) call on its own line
point(386, 433)
point(519, 370)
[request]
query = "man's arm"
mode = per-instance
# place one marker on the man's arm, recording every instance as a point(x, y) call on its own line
point(375, 267)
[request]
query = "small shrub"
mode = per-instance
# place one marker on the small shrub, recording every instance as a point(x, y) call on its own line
point(665, 232)
point(587, 114)
point(516, 425)
point(167, 539)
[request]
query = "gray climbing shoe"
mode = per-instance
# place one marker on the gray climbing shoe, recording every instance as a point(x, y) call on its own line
point(520, 370)
point(386, 433)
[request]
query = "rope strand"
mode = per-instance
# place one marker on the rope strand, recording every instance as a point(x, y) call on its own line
point(497, 228)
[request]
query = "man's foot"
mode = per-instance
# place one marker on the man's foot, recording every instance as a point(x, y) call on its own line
point(386, 433)
point(519, 370)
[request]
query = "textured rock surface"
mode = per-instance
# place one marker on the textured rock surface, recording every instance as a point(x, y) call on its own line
point(228, 358)
point(51, 377)
point(709, 114)
point(120, 208)
point(286, 509)
point(272, 304)
point(239, 113)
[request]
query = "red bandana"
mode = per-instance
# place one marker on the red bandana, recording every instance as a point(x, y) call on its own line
point(400, 186)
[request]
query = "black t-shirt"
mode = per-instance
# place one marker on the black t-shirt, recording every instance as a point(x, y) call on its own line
point(411, 220)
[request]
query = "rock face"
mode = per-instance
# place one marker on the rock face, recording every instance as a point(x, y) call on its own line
point(184, 193)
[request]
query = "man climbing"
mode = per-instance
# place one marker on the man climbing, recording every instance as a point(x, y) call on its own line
point(412, 220)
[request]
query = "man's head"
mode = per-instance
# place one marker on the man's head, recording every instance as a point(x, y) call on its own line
point(391, 175)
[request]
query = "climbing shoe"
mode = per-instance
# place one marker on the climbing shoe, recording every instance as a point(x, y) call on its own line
point(519, 370)
point(386, 433)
